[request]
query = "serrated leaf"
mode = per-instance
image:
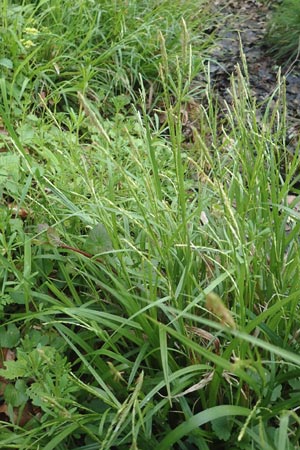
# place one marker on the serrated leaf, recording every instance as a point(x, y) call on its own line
point(14, 369)
point(222, 428)
point(98, 240)
point(15, 395)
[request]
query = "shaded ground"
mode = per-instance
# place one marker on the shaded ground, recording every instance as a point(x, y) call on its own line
point(245, 22)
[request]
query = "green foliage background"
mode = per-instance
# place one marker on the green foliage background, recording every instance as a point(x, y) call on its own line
point(283, 33)
point(149, 272)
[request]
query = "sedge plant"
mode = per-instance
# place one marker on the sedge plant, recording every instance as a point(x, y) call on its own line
point(149, 288)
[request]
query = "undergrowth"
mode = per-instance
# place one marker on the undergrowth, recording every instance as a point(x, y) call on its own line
point(149, 285)
point(283, 36)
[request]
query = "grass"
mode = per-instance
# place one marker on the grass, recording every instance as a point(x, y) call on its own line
point(150, 284)
point(282, 35)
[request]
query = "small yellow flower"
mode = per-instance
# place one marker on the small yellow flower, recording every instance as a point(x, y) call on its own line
point(32, 31)
point(27, 43)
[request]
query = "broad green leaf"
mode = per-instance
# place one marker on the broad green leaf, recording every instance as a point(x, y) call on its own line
point(7, 63)
point(276, 393)
point(26, 133)
point(9, 173)
point(15, 395)
point(98, 240)
point(222, 428)
point(9, 336)
point(9, 167)
point(14, 369)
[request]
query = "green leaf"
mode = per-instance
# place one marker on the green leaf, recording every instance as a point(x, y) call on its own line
point(59, 437)
point(185, 428)
point(98, 240)
point(9, 336)
point(164, 359)
point(9, 173)
point(281, 434)
point(222, 428)
point(9, 167)
point(26, 133)
point(15, 395)
point(276, 393)
point(14, 369)
point(53, 237)
point(5, 62)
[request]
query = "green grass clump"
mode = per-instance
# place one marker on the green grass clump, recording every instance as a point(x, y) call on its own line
point(149, 286)
point(283, 32)
point(98, 48)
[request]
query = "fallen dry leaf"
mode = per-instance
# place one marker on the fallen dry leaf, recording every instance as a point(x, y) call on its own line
point(18, 212)
point(206, 379)
point(207, 336)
